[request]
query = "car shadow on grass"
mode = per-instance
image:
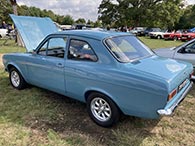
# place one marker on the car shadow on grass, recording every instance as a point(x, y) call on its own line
point(71, 117)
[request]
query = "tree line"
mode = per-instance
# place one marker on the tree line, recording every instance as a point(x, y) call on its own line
point(166, 14)
point(6, 9)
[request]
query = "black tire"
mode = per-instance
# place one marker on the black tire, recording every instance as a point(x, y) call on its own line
point(16, 79)
point(159, 37)
point(105, 114)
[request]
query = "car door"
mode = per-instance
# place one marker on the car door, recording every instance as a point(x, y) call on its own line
point(81, 59)
point(46, 67)
point(186, 53)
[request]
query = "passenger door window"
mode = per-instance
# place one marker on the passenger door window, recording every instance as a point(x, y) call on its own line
point(81, 50)
point(54, 47)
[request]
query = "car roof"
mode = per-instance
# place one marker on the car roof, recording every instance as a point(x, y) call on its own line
point(94, 34)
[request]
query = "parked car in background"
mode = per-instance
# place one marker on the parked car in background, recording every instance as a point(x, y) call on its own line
point(141, 32)
point(188, 36)
point(3, 32)
point(111, 72)
point(148, 30)
point(157, 34)
point(173, 35)
point(185, 52)
point(137, 30)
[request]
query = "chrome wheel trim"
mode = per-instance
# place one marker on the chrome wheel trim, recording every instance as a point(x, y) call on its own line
point(101, 109)
point(15, 79)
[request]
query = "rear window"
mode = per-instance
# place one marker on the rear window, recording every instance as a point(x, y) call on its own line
point(127, 48)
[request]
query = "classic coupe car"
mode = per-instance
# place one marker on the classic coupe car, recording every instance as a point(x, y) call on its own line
point(173, 35)
point(188, 36)
point(157, 34)
point(113, 73)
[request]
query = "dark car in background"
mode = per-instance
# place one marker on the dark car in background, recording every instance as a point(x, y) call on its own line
point(141, 32)
point(148, 30)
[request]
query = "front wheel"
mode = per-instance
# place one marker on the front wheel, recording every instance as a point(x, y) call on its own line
point(102, 110)
point(159, 37)
point(16, 79)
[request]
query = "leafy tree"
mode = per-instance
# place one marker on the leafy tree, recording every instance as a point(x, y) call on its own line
point(97, 24)
point(187, 20)
point(5, 10)
point(68, 20)
point(59, 19)
point(161, 13)
point(107, 11)
point(89, 22)
point(166, 14)
point(80, 21)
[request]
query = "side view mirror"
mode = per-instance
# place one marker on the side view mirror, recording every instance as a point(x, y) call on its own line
point(182, 50)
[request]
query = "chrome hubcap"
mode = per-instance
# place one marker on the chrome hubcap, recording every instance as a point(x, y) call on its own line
point(15, 78)
point(101, 109)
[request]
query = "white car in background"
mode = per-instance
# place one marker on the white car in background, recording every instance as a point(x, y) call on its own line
point(157, 34)
point(3, 32)
point(137, 30)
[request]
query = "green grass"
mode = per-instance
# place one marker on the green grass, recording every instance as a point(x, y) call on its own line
point(159, 43)
point(37, 117)
point(9, 46)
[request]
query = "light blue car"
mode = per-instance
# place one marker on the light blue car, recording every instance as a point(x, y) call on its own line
point(114, 73)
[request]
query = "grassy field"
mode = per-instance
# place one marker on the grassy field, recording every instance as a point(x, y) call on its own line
point(8, 46)
point(158, 43)
point(37, 117)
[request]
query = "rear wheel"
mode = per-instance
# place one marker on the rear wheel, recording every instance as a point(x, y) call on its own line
point(16, 79)
point(102, 110)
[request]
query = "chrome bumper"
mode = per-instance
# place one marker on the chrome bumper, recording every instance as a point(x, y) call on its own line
point(168, 110)
point(193, 78)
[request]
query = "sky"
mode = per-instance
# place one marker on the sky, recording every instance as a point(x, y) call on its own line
point(87, 9)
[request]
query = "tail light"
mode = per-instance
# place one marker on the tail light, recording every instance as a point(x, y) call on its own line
point(172, 94)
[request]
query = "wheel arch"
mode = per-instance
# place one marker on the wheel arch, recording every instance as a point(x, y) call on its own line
point(88, 92)
point(11, 65)
point(159, 36)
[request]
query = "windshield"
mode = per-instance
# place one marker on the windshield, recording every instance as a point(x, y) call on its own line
point(128, 48)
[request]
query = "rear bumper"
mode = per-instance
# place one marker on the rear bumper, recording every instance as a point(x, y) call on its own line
point(170, 107)
point(193, 78)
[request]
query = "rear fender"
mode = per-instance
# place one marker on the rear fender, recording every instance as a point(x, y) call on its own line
point(91, 89)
